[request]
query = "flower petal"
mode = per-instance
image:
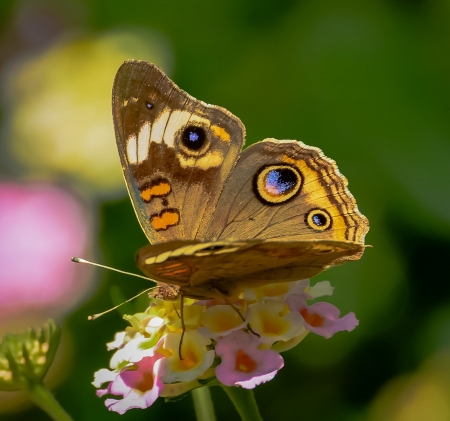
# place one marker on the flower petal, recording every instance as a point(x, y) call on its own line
point(196, 356)
point(117, 342)
point(102, 376)
point(134, 350)
point(243, 363)
point(220, 320)
point(273, 321)
point(321, 289)
point(321, 318)
point(139, 384)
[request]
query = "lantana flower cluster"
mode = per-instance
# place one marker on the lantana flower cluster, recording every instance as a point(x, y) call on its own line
point(235, 344)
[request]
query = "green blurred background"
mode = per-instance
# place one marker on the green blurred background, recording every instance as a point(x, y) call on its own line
point(366, 81)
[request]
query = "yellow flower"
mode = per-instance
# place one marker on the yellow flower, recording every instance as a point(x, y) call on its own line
point(60, 117)
point(197, 358)
point(273, 321)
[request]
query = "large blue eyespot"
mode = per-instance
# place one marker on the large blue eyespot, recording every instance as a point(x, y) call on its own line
point(275, 184)
point(279, 181)
point(193, 138)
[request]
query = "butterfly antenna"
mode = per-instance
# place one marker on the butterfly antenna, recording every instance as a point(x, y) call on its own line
point(96, 316)
point(79, 260)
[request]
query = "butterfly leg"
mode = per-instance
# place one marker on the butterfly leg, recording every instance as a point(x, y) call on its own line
point(183, 326)
point(176, 311)
point(241, 316)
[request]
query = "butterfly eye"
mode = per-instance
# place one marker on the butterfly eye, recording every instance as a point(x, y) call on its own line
point(318, 219)
point(193, 138)
point(276, 184)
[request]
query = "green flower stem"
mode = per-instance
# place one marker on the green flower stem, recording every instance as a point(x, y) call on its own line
point(244, 402)
point(47, 402)
point(203, 404)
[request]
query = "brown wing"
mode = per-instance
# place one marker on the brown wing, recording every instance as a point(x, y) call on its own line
point(205, 269)
point(285, 190)
point(176, 152)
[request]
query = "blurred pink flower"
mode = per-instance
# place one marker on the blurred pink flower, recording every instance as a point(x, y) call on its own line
point(41, 227)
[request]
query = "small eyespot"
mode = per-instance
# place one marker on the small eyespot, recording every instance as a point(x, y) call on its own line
point(193, 138)
point(148, 105)
point(275, 184)
point(318, 219)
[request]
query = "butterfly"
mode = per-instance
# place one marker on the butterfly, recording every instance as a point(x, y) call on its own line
point(220, 219)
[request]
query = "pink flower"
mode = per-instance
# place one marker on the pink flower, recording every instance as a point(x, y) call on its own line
point(321, 318)
point(243, 363)
point(147, 362)
point(138, 384)
point(41, 228)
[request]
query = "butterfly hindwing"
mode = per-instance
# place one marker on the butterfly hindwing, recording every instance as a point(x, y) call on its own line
point(285, 190)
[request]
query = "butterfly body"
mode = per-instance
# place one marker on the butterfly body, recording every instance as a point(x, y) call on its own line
point(220, 219)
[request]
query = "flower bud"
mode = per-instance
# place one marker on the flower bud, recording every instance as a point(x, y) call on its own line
point(25, 357)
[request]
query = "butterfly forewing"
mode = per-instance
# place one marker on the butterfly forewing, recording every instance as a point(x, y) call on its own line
point(176, 152)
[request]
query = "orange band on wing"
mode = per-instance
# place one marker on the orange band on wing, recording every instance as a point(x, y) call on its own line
point(161, 188)
point(165, 219)
point(171, 266)
point(174, 272)
point(221, 133)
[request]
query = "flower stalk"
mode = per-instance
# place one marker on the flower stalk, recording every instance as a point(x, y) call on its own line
point(203, 404)
point(47, 402)
point(244, 402)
